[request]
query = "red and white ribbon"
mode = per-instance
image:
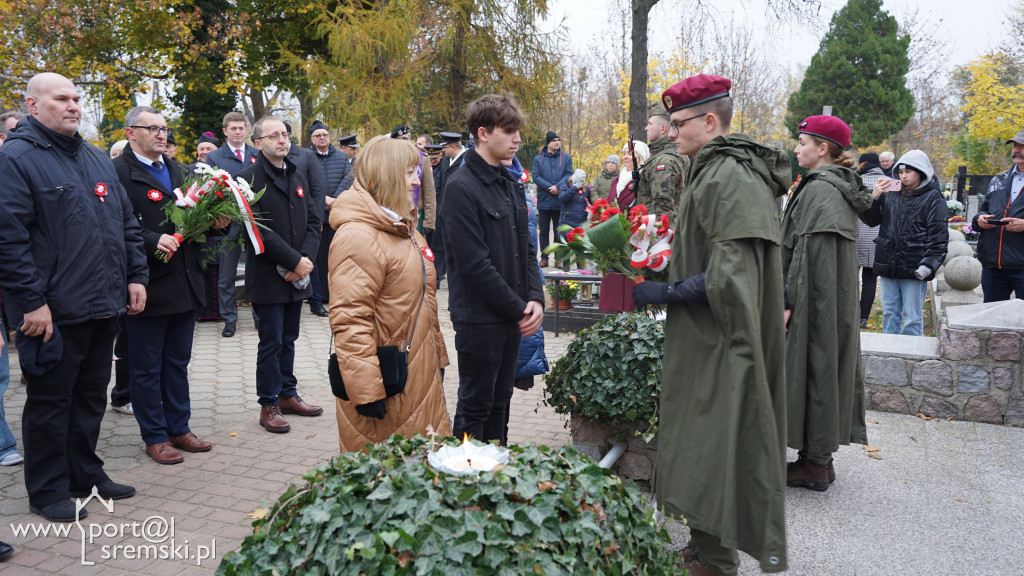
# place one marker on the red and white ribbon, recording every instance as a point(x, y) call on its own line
point(250, 219)
point(647, 256)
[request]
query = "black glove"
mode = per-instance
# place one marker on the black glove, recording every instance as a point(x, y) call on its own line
point(691, 290)
point(372, 410)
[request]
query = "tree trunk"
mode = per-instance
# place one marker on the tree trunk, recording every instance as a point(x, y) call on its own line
point(638, 76)
point(305, 117)
point(259, 105)
point(457, 72)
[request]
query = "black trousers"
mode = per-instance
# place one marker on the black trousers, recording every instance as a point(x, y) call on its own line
point(868, 282)
point(321, 294)
point(63, 412)
point(547, 223)
point(488, 354)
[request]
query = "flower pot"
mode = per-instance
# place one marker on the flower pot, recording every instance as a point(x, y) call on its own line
point(564, 304)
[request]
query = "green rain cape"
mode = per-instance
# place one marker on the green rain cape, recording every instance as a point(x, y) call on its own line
point(722, 435)
point(825, 391)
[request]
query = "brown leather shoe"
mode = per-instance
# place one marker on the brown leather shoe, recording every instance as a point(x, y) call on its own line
point(806, 474)
point(271, 419)
point(164, 453)
point(831, 471)
point(295, 405)
point(189, 443)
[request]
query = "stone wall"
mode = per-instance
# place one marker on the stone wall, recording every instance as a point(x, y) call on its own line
point(596, 437)
point(966, 373)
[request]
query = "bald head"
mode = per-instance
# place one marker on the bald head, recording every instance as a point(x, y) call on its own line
point(54, 101)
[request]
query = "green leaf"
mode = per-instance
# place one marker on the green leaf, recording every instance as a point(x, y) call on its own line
point(383, 491)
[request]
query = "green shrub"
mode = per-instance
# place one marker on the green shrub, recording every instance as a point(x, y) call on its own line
point(610, 371)
point(550, 511)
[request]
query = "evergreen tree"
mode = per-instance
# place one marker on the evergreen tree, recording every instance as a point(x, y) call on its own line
point(860, 70)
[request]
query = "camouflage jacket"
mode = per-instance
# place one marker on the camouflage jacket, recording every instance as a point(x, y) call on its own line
point(662, 178)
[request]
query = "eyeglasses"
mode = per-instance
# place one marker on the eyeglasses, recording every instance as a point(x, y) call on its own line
point(677, 125)
point(321, 135)
point(275, 136)
point(154, 130)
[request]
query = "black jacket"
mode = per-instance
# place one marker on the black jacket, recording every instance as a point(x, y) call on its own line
point(175, 286)
point(306, 164)
point(998, 247)
point(337, 170)
point(492, 269)
point(226, 160)
point(59, 244)
point(290, 230)
point(446, 169)
point(913, 231)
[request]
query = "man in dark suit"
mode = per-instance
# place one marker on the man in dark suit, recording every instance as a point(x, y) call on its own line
point(234, 155)
point(452, 150)
point(309, 166)
point(274, 279)
point(160, 337)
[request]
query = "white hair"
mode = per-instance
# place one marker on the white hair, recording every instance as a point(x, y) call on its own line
point(886, 156)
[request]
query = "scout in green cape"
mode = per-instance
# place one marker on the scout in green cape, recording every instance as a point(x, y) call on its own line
point(722, 457)
point(825, 391)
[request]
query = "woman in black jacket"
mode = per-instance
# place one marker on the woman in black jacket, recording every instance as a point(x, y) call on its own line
point(911, 243)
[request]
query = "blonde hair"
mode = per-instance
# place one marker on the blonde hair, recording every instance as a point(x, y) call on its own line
point(380, 170)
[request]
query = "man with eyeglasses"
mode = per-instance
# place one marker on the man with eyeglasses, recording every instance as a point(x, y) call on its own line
point(337, 178)
point(663, 176)
point(276, 281)
point(73, 261)
point(232, 157)
point(159, 340)
point(725, 340)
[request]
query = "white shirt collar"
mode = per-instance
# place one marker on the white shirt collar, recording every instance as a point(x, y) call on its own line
point(142, 158)
point(393, 215)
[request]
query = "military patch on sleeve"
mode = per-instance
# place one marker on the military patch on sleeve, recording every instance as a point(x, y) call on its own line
point(659, 167)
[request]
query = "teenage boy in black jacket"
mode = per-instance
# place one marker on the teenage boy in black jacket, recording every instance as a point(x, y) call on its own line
point(494, 287)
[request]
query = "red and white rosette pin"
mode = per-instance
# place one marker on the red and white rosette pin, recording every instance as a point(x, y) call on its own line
point(101, 191)
point(155, 195)
point(298, 190)
point(428, 253)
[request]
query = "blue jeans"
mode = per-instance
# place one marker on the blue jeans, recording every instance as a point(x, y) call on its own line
point(902, 302)
point(275, 357)
point(7, 442)
point(998, 284)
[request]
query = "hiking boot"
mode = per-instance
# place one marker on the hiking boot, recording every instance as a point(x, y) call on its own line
point(806, 474)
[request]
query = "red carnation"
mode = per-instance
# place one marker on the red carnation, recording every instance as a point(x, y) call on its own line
point(574, 234)
point(637, 212)
point(609, 213)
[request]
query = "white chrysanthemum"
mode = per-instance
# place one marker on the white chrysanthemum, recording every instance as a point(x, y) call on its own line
point(204, 169)
point(243, 185)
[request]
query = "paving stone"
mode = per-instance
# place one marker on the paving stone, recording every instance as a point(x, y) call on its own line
point(959, 344)
point(1004, 346)
point(971, 378)
point(983, 408)
point(885, 371)
point(933, 376)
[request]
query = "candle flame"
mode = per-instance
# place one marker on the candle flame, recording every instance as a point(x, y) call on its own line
point(465, 438)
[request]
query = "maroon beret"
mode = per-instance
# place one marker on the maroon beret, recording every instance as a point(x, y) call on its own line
point(830, 128)
point(695, 90)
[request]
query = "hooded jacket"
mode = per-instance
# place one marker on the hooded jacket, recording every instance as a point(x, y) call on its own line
point(913, 231)
point(603, 184)
point(825, 390)
point(574, 204)
point(376, 267)
point(550, 170)
point(722, 454)
point(60, 244)
point(998, 247)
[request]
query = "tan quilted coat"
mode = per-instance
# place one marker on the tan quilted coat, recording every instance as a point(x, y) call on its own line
point(375, 283)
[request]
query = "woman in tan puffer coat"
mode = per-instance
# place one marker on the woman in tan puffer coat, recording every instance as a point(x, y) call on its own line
point(376, 267)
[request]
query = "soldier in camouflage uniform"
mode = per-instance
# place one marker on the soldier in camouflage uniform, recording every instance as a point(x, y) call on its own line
point(663, 176)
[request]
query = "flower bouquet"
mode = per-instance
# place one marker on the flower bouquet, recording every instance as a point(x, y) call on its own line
point(209, 195)
point(954, 207)
point(564, 290)
point(617, 243)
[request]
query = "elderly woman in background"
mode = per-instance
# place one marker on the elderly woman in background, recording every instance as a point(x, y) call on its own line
point(869, 170)
point(382, 294)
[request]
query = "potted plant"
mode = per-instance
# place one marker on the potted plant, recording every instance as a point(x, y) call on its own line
point(561, 292)
point(548, 511)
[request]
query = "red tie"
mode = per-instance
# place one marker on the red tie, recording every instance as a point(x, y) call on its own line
point(239, 154)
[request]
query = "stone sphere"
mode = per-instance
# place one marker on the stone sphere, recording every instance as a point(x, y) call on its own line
point(956, 235)
point(963, 273)
point(940, 281)
point(958, 248)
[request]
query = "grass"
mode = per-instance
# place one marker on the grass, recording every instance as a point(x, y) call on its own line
point(875, 319)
